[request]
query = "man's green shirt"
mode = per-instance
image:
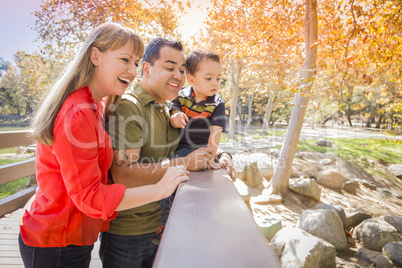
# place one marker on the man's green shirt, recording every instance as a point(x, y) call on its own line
point(141, 122)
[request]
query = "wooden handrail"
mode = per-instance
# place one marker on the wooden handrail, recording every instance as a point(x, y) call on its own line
point(15, 138)
point(211, 226)
point(15, 171)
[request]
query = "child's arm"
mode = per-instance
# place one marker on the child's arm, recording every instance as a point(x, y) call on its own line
point(178, 119)
point(213, 143)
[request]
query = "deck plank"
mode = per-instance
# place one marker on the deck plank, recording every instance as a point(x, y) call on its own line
point(9, 250)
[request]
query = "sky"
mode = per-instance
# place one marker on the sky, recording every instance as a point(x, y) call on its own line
point(16, 22)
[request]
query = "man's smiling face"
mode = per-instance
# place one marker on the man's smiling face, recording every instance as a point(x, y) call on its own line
point(167, 75)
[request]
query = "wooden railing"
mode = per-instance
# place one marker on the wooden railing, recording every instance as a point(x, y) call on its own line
point(211, 226)
point(15, 171)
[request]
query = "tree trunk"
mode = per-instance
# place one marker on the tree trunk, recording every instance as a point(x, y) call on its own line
point(250, 110)
point(280, 180)
point(371, 117)
point(235, 70)
point(312, 119)
point(268, 111)
point(378, 124)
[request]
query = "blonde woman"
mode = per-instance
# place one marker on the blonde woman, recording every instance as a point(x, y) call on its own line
point(73, 202)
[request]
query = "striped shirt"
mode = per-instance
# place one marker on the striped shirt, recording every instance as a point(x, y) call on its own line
point(202, 115)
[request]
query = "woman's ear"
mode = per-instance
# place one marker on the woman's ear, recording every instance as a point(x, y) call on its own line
point(94, 55)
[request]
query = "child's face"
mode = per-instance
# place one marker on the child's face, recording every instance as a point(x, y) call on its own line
point(206, 79)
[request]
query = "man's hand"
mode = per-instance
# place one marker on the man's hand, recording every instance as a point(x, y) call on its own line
point(179, 120)
point(199, 159)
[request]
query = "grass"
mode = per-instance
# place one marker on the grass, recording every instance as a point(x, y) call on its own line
point(13, 187)
point(253, 135)
point(360, 152)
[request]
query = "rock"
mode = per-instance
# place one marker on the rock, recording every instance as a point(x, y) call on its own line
point(302, 167)
point(18, 150)
point(267, 199)
point(374, 257)
point(338, 209)
point(369, 184)
point(393, 251)
point(325, 224)
point(371, 162)
point(396, 170)
point(274, 152)
point(350, 187)
point(297, 248)
point(355, 216)
point(374, 234)
point(324, 143)
point(269, 226)
point(307, 187)
point(394, 220)
point(389, 192)
point(331, 156)
point(326, 162)
point(331, 178)
point(242, 189)
point(260, 163)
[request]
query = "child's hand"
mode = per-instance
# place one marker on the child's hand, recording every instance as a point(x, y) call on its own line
point(213, 165)
point(179, 120)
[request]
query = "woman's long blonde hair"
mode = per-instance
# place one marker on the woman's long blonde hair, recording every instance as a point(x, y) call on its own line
point(79, 73)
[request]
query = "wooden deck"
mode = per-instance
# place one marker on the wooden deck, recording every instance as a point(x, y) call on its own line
point(9, 251)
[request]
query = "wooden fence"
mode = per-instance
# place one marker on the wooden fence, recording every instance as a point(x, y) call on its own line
point(15, 171)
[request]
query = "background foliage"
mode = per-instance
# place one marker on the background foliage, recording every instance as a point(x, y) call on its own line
point(358, 77)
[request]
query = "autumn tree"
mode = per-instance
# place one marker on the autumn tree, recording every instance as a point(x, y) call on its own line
point(280, 180)
point(24, 84)
point(63, 24)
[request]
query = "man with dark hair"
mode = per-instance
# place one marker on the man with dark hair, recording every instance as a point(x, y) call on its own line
point(143, 141)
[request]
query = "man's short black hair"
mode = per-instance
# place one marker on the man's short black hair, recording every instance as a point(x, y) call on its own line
point(152, 51)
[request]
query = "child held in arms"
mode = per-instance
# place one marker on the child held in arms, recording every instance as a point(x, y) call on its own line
point(199, 112)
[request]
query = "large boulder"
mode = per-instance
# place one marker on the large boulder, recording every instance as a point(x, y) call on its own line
point(253, 168)
point(394, 220)
point(324, 143)
point(331, 178)
point(393, 251)
point(378, 259)
point(396, 170)
point(306, 187)
point(374, 234)
point(297, 248)
point(350, 187)
point(325, 224)
point(338, 209)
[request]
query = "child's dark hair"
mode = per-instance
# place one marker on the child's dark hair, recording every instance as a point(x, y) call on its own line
point(196, 56)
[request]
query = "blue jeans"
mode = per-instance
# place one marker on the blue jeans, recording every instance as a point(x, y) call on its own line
point(123, 251)
point(61, 257)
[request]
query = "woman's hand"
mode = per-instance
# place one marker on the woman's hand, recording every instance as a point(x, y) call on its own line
point(169, 182)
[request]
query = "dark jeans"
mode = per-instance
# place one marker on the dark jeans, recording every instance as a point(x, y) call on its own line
point(123, 251)
point(166, 204)
point(69, 257)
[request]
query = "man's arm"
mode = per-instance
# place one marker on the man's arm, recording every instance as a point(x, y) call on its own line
point(128, 171)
